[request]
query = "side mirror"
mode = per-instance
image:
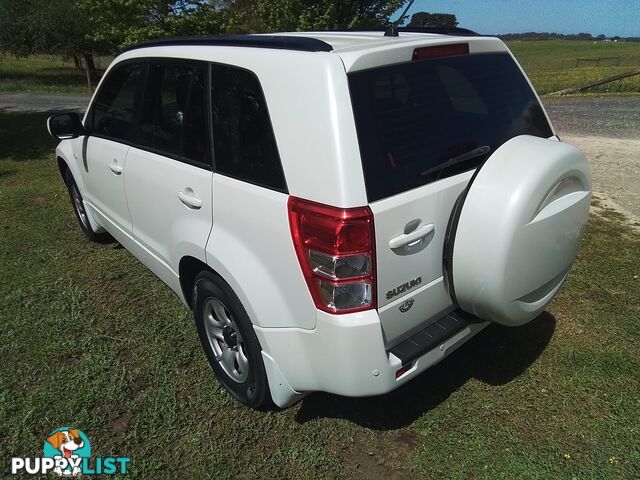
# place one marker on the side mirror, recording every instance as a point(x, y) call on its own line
point(63, 126)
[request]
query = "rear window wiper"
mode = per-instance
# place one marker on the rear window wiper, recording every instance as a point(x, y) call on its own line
point(463, 157)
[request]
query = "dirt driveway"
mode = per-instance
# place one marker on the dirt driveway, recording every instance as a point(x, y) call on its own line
point(607, 129)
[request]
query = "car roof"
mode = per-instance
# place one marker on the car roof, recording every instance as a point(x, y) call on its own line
point(319, 41)
point(352, 40)
point(355, 49)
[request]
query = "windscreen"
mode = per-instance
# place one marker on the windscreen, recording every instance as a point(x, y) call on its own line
point(426, 120)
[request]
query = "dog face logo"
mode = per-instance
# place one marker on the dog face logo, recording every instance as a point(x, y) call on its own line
point(66, 441)
point(69, 444)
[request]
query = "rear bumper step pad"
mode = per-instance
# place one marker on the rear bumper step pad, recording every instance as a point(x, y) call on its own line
point(430, 337)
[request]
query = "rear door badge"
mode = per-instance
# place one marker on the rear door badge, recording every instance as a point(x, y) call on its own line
point(406, 305)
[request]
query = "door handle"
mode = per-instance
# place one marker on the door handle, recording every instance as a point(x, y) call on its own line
point(189, 199)
point(115, 168)
point(411, 239)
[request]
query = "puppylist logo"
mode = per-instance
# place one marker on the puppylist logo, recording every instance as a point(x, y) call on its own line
point(67, 453)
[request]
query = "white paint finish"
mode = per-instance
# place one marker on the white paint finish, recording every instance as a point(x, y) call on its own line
point(105, 189)
point(430, 303)
point(341, 354)
point(281, 392)
point(519, 233)
point(429, 204)
point(401, 50)
point(162, 224)
point(70, 152)
point(251, 248)
point(337, 356)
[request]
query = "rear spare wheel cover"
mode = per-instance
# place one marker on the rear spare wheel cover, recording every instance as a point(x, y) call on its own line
point(519, 229)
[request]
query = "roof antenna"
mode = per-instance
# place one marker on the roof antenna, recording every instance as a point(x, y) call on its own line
point(392, 31)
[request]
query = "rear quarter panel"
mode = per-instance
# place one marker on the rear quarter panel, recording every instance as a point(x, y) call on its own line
point(251, 248)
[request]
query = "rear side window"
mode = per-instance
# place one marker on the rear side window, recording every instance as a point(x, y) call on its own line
point(244, 144)
point(114, 108)
point(173, 114)
point(421, 121)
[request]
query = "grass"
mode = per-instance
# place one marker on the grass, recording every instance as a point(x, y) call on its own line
point(43, 74)
point(91, 338)
point(551, 64)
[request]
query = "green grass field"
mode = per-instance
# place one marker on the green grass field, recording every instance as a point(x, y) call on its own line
point(44, 74)
point(91, 338)
point(549, 64)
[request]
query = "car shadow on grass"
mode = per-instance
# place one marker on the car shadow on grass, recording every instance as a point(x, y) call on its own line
point(24, 136)
point(495, 356)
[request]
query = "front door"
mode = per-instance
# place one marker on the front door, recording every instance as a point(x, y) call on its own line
point(111, 125)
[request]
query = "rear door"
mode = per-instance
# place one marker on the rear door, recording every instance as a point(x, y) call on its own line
point(423, 127)
point(169, 176)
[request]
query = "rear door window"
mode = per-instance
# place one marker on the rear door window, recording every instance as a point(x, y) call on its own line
point(417, 121)
point(173, 113)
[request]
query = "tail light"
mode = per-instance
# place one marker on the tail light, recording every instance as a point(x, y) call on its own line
point(335, 248)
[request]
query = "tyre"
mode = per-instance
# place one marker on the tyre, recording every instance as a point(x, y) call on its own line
point(81, 213)
point(229, 341)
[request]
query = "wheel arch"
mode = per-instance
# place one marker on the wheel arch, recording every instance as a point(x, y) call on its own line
point(188, 269)
point(62, 166)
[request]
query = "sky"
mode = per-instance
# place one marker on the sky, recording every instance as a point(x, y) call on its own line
point(611, 17)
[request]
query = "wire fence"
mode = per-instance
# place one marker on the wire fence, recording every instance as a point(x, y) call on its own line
point(570, 63)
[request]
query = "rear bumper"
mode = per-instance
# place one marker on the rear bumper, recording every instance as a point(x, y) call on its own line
point(346, 354)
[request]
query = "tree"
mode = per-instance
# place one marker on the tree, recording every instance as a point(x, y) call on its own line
point(426, 19)
point(291, 15)
point(80, 29)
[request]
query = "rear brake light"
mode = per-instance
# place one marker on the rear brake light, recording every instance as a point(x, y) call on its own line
point(426, 53)
point(335, 248)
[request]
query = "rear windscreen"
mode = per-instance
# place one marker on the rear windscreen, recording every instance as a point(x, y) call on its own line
point(421, 121)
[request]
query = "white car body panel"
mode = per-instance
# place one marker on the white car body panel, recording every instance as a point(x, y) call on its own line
point(430, 204)
point(251, 248)
point(508, 265)
point(105, 191)
point(165, 228)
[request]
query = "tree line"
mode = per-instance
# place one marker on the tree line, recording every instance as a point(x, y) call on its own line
point(563, 36)
point(82, 29)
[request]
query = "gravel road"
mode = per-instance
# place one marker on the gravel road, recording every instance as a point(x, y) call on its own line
point(29, 102)
point(614, 117)
point(607, 129)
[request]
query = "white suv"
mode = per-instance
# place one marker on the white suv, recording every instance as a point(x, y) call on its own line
point(340, 210)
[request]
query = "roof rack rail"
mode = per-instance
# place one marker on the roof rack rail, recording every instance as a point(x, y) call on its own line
point(282, 42)
point(463, 32)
